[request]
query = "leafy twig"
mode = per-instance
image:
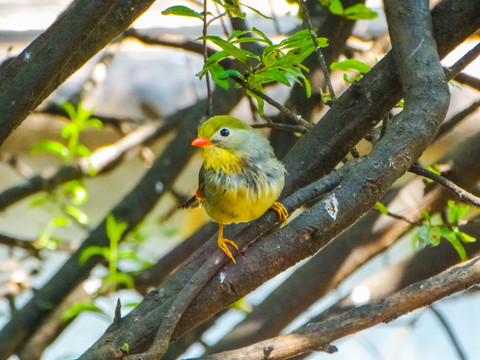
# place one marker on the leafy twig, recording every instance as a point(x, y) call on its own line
point(284, 110)
point(321, 59)
point(457, 190)
point(208, 111)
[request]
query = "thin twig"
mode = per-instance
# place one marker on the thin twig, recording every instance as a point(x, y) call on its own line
point(455, 119)
point(284, 110)
point(451, 335)
point(403, 218)
point(461, 64)
point(281, 126)
point(208, 111)
point(169, 40)
point(468, 80)
point(318, 50)
point(449, 185)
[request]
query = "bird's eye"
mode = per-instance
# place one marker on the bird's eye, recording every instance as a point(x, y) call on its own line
point(224, 132)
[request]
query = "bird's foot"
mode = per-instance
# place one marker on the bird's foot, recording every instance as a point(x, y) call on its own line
point(222, 243)
point(281, 211)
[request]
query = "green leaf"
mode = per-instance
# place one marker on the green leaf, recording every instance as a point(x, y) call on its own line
point(52, 147)
point(273, 75)
point(93, 122)
point(82, 151)
point(93, 251)
point(39, 200)
point(68, 130)
point(127, 255)
point(452, 237)
point(79, 192)
point(60, 221)
point(299, 35)
point(426, 216)
point(262, 35)
point(336, 7)
point(456, 211)
point(218, 76)
point(429, 235)
point(351, 64)
point(248, 39)
point(326, 3)
point(435, 235)
point(237, 33)
point(78, 308)
point(180, 10)
point(359, 12)
point(126, 347)
point(69, 109)
point(77, 214)
point(232, 50)
point(257, 12)
point(234, 11)
point(126, 279)
point(382, 208)
point(465, 237)
point(115, 229)
point(308, 87)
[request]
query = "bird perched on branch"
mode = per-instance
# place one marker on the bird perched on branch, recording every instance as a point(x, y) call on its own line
point(240, 178)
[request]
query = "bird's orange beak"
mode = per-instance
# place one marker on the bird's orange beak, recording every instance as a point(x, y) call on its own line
point(201, 141)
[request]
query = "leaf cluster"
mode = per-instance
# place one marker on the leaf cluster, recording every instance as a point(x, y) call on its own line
point(431, 234)
point(280, 62)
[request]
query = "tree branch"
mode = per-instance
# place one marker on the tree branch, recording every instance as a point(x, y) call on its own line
point(57, 53)
point(404, 142)
point(169, 40)
point(316, 335)
point(284, 110)
point(131, 210)
point(101, 161)
point(439, 179)
point(308, 23)
point(367, 238)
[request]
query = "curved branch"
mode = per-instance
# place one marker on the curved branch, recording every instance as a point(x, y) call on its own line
point(447, 184)
point(131, 210)
point(403, 143)
point(367, 238)
point(78, 34)
point(318, 335)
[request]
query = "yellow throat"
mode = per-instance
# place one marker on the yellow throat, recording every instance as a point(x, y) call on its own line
point(220, 159)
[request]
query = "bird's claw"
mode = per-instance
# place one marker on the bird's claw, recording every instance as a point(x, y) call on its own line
point(281, 211)
point(222, 243)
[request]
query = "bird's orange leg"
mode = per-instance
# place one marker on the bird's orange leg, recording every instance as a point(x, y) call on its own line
point(281, 211)
point(222, 243)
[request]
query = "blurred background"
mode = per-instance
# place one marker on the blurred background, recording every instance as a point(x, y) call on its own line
point(141, 84)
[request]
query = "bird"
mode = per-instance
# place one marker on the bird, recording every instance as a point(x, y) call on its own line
point(240, 178)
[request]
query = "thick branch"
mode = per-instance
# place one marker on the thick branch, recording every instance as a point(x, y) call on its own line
point(317, 335)
point(78, 34)
point(132, 209)
point(367, 238)
point(403, 143)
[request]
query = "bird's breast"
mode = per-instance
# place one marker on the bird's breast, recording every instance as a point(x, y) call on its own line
point(242, 196)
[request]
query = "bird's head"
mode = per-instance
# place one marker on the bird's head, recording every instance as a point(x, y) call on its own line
point(228, 142)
